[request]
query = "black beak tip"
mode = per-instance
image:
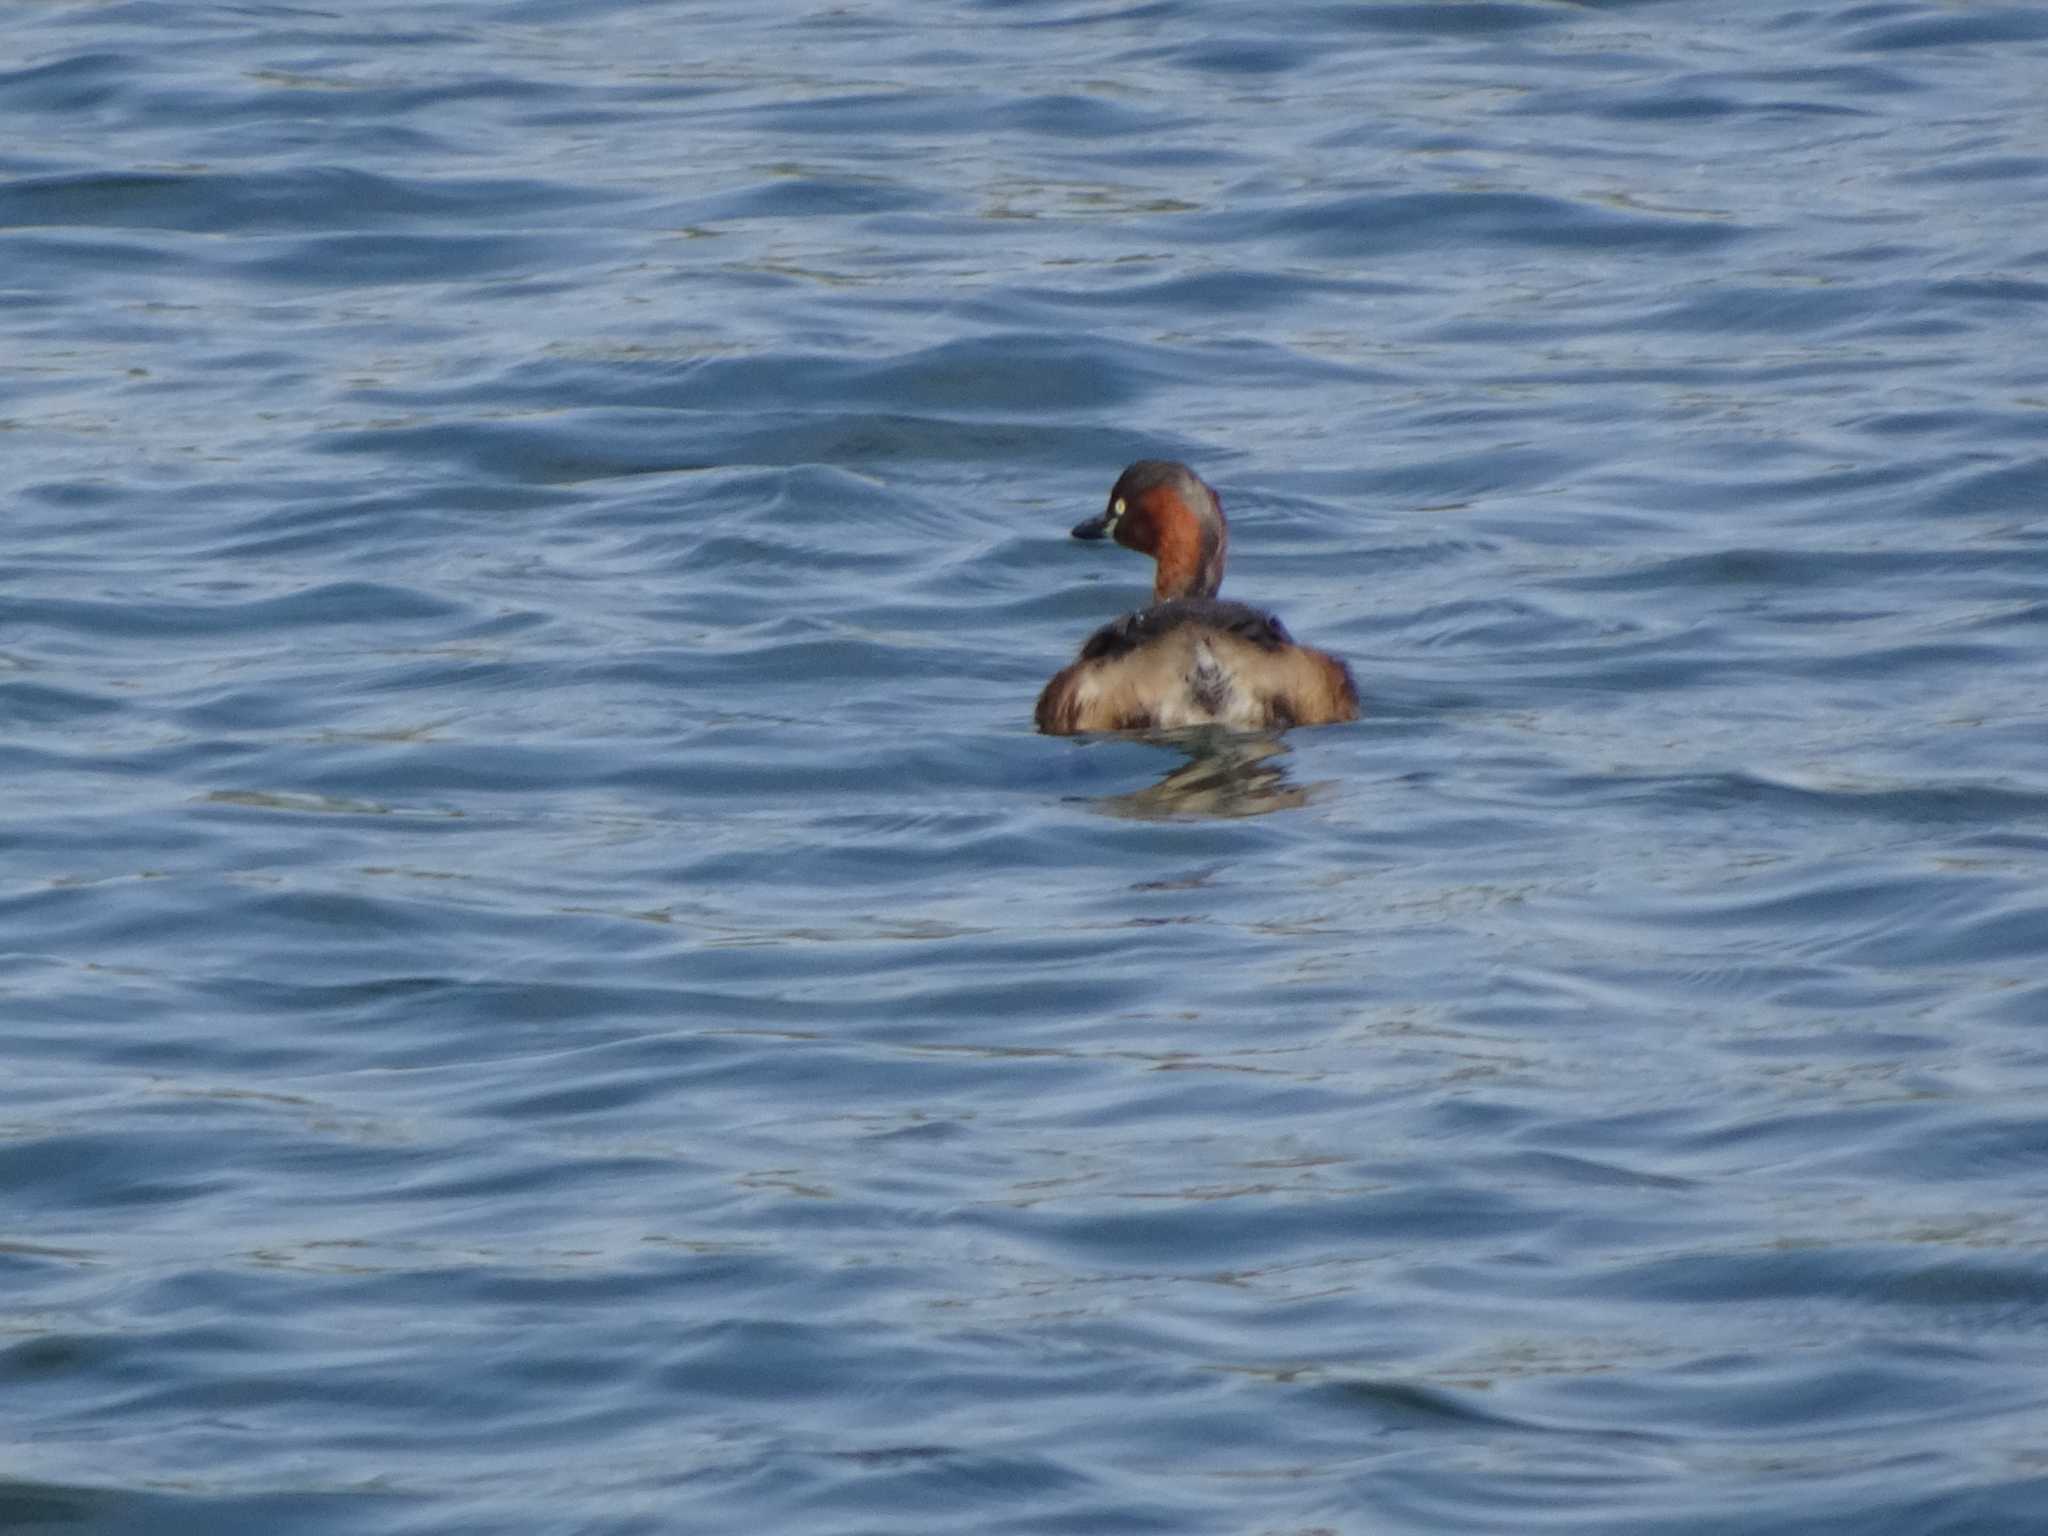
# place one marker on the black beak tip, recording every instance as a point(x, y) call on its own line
point(1094, 528)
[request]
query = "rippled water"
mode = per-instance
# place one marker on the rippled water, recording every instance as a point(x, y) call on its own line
point(550, 985)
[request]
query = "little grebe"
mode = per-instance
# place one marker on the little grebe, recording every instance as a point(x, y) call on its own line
point(1191, 658)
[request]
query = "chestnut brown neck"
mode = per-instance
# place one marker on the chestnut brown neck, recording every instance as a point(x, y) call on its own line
point(1188, 546)
point(1180, 525)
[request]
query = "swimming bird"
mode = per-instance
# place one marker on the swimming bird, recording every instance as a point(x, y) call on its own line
point(1191, 658)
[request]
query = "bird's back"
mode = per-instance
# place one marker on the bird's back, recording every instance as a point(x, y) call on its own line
point(1196, 661)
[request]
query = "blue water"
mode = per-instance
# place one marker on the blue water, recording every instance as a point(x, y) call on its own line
point(549, 985)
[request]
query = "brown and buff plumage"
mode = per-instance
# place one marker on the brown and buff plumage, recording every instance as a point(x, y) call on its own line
point(1190, 658)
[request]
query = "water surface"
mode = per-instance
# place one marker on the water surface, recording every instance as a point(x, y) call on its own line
point(550, 985)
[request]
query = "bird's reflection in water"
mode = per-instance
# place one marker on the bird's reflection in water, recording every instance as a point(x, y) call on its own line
point(1227, 773)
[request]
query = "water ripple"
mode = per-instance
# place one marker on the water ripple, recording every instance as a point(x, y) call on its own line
point(550, 980)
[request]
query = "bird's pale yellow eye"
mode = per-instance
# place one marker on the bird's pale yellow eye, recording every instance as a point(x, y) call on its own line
point(1116, 513)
